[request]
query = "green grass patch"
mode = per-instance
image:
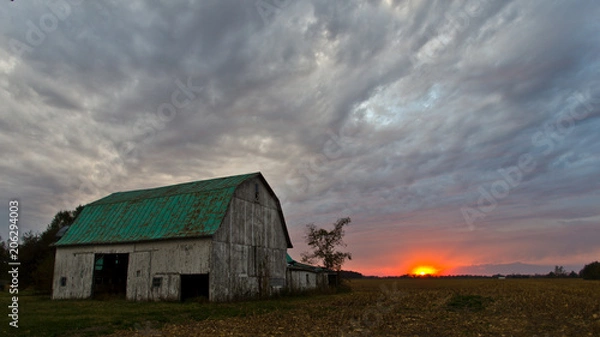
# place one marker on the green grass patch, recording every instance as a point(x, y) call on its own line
point(468, 302)
point(40, 316)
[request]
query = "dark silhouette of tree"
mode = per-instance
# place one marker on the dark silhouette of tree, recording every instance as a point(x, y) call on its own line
point(560, 271)
point(349, 274)
point(591, 271)
point(36, 252)
point(324, 245)
point(4, 259)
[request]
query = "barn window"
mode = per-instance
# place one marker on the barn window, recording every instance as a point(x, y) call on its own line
point(255, 192)
point(63, 281)
point(99, 262)
point(307, 279)
point(156, 282)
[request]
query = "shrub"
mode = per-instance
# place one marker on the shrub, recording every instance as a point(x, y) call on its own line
point(468, 302)
point(591, 271)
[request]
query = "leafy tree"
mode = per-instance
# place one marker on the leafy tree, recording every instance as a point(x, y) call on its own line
point(4, 259)
point(30, 251)
point(324, 245)
point(591, 271)
point(36, 252)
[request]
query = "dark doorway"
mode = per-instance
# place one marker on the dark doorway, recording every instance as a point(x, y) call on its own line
point(194, 285)
point(332, 279)
point(110, 275)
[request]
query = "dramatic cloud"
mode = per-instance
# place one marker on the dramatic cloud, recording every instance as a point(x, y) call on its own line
point(457, 132)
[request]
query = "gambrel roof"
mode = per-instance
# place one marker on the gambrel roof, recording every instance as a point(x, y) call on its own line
point(189, 210)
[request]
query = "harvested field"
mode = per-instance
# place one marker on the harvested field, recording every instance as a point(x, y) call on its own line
point(375, 307)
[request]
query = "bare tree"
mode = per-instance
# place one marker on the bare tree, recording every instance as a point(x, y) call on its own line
point(324, 245)
point(560, 271)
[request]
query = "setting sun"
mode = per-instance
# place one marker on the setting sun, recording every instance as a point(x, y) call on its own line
point(424, 270)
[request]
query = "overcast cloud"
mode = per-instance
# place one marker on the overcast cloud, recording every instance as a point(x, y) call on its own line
point(459, 132)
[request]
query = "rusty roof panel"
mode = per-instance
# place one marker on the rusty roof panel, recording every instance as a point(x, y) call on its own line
point(193, 209)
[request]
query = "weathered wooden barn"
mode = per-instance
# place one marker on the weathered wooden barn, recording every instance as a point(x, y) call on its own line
point(222, 238)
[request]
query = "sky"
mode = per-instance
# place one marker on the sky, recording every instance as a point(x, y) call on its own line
point(452, 133)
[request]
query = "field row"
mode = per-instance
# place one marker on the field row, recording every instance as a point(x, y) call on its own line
point(374, 307)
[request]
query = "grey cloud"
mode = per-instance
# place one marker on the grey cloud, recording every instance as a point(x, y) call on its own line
point(390, 112)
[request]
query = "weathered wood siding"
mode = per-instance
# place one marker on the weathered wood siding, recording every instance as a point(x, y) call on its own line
point(248, 250)
point(299, 280)
point(78, 268)
point(166, 259)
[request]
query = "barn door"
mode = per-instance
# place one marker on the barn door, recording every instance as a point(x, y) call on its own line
point(138, 286)
point(110, 275)
point(194, 285)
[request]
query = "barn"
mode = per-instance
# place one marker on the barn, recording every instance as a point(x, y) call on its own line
point(223, 238)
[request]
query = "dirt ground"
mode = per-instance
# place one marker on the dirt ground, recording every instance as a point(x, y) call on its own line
point(419, 307)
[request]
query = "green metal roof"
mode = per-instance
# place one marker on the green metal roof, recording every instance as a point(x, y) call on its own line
point(298, 265)
point(186, 210)
point(289, 259)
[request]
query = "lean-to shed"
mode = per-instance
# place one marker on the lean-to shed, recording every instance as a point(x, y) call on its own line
point(301, 277)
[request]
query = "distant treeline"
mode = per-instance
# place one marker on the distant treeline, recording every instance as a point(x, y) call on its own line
point(589, 272)
point(348, 274)
point(574, 275)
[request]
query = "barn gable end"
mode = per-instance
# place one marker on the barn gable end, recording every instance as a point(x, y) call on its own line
point(249, 248)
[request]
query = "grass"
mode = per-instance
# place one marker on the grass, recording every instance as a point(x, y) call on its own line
point(468, 302)
point(40, 316)
point(374, 307)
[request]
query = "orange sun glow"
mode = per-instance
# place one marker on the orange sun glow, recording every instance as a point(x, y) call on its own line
point(424, 270)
